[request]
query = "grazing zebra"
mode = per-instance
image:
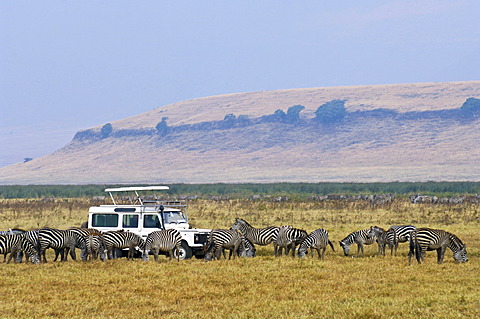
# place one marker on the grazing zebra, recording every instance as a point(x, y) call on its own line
point(424, 239)
point(30, 251)
point(288, 238)
point(246, 249)
point(122, 239)
point(86, 232)
point(221, 239)
point(59, 240)
point(10, 244)
point(163, 240)
point(359, 237)
point(95, 246)
point(257, 236)
point(31, 240)
point(318, 240)
point(383, 236)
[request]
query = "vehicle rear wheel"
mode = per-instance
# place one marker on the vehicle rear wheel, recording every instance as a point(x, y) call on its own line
point(185, 251)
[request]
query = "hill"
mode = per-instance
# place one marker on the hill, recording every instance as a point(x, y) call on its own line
point(404, 132)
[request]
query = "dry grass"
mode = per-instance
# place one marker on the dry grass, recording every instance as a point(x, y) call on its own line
point(341, 287)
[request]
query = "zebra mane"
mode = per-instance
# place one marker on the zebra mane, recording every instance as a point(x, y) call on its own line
point(455, 240)
point(243, 221)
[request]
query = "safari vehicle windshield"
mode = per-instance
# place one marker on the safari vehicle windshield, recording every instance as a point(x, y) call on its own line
point(175, 217)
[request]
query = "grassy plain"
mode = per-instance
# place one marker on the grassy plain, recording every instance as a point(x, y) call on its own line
point(262, 287)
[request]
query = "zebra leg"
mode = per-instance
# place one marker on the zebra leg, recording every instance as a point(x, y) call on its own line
point(178, 252)
point(72, 254)
point(440, 254)
point(12, 253)
point(57, 253)
point(155, 253)
point(110, 252)
point(360, 248)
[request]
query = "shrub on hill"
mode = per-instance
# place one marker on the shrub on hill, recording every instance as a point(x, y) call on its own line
point(471, 107)
point(331, 112)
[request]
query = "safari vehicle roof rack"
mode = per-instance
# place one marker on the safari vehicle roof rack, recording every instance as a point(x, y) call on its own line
point(136, 189)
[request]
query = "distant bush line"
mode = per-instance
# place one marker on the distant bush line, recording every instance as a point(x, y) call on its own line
point(328, 114)
point(294, 190)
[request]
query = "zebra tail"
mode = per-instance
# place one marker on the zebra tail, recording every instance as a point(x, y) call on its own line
point(331, 245)
point(418, 251)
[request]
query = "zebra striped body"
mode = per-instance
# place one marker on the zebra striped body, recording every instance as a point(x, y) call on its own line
point(10, 244)
point(257, 236)
point(424, 239)
point(163, 240)
point(383, 236)
point(288, 238)
point(96, 242)
point(30, 251)
point(121, 240)
point(221, 239)
point(63, 241)
point(359, 237)
point(95, 246)
point(318, 240)
point(398, 234)
point(31, 237)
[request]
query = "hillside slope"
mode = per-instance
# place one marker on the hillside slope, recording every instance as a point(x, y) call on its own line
point(407, 132)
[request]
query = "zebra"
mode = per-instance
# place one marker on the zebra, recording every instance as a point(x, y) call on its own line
point(220, 239)
point(10, 244)
point(424, 239)
point(383, 237)
point(96, 241)
point(257, 236)
point(95, 246)
point(318, 240)
point(31, 240)
point(30, 251)
point(399, 234)
point(63, 241)
point(163, 240)
point(359, 237)
point(246, 249)
point(122, 239)
point(288, 238)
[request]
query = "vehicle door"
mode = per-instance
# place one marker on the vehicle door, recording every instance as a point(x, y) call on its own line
point(150, 222)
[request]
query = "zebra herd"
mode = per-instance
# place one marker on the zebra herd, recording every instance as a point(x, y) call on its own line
point(288, 238)
point(92, 243)
point(240, 240)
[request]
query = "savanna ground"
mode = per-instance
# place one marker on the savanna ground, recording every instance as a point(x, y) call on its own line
point(262, 287)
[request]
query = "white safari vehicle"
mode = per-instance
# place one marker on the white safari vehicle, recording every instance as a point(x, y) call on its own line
point(143, 215)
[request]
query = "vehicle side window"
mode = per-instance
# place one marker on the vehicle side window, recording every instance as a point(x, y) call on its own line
point(151, 221)
point(130, 221)
point(105, 220)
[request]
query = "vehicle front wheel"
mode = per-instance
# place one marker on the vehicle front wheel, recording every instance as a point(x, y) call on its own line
point(185, 251)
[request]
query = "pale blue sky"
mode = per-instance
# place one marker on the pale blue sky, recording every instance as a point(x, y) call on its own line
point(70, 65)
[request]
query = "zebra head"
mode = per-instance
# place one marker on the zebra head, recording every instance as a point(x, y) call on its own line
point(375, 231)
point(460, 255)
point(34, 259)
point(302, 251)
point(209, 251)
point(346, 247)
